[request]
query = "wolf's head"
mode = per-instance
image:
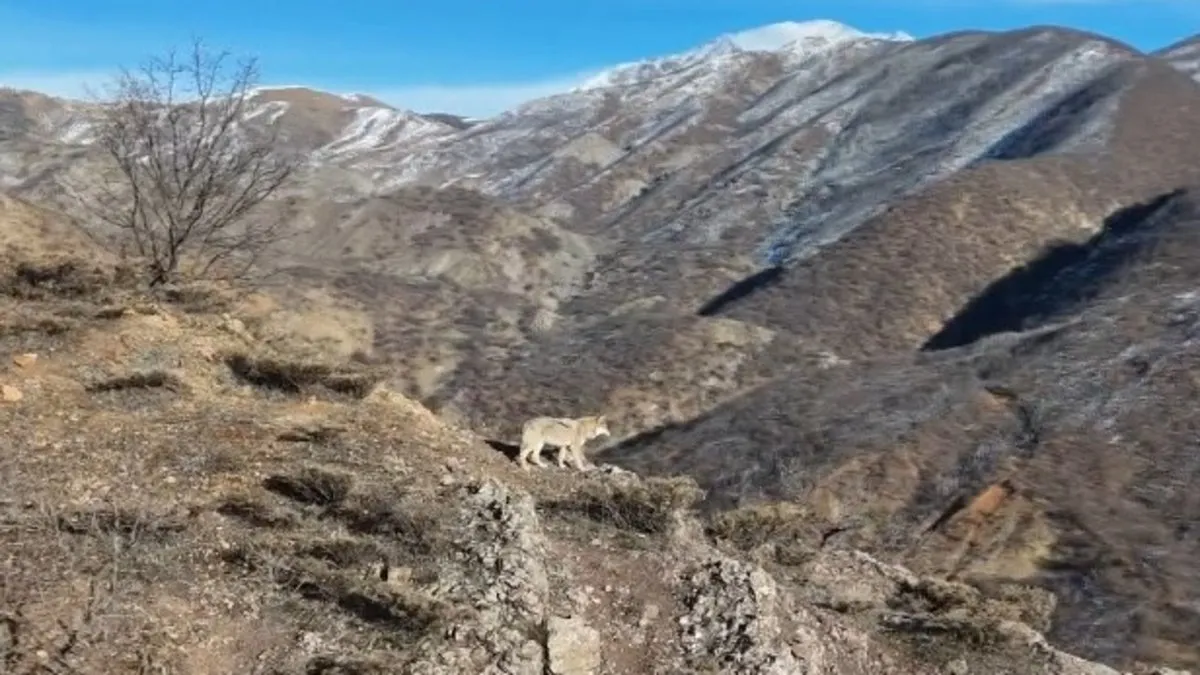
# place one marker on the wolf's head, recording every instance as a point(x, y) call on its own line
point(601, 428)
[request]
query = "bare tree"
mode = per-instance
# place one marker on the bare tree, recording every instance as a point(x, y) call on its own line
point(190, 175)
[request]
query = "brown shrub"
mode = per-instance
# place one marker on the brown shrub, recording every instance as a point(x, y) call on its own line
point(299, 377)
point(646, 506)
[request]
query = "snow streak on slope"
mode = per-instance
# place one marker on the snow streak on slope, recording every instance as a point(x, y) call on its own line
point(799, 149)
point(891, 142)
point(382, 128)
point(1185, 56)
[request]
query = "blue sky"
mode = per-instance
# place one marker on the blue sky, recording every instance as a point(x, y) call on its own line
point(477, 57)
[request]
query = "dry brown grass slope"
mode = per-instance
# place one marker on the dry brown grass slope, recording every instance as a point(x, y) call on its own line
point(885, 287)
point(442, 273)
point(643, 367)
point(191, 487)
point(1060, 454)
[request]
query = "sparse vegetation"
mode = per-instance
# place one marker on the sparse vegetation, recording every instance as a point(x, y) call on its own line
point(788, 528)
point(646, 507)
point(73, 279)
point(298, 377)
point(191, 173)
point(312, 486)
point(146, 380)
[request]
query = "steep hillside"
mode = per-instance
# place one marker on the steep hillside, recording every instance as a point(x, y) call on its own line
point(442, 272)
point(890, 283)
point(1058, 454)
point(1009, 460)
point(182, 494)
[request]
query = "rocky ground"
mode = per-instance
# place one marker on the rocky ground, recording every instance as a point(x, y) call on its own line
point(191, 486)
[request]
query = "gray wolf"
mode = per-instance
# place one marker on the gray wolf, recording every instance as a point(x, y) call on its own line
point(568, 435)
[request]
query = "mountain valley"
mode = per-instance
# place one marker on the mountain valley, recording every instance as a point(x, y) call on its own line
point(940, 295)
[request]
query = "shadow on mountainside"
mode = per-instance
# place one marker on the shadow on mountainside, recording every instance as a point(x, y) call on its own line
point(741, 289)
point(1060, 279)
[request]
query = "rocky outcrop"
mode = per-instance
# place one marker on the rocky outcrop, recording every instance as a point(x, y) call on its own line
point(839, 611)
point(500, 579)
point(732, 625)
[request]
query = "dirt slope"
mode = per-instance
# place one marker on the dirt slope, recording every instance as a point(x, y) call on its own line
point(185, 490)
point(1058, 454)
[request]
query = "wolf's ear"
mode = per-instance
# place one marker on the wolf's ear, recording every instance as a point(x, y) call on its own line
point(603, 420)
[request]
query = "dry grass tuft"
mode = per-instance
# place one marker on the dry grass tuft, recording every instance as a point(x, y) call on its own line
point(312, 486)
point(336, 665)
point(791, 532)
point(381, 514)
point(302, 377)
point(65, 279)
point(645, 506)
point(155, 379)
point(404, 615)
point(752, 526)
point(255, 513)
point(126, 523)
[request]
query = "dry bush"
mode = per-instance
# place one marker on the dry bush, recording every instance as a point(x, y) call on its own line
point(645, 506)
point(154, 379)
point(941, 637)
point(343, 665)
point(256, 513)
point(414, 531)
point(299, 377)
point(788, 528)
point(123, 522)
point(934, 616)
point(336, 551)
point(65, 279)
point(403, 614)
point(312, 486)
point(188, 174)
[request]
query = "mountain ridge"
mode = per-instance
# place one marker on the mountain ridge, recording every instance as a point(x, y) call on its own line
point(768, 270)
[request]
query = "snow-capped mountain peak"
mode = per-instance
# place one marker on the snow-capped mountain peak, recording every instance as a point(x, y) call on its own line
point(793, 37)
point(778, 36)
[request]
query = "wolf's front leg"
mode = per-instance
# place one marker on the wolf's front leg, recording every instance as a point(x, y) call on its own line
point(578, 459)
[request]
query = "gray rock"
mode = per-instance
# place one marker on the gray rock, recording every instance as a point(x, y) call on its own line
point(731, 624)
point(573, 646)
point(501, 579)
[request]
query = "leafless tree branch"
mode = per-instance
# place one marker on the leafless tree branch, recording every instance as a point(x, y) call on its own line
point(191, 174)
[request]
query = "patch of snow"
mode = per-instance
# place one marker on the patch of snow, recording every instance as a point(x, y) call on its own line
point(790, 37)
point(77, 132)
point(370, 128)
point(256, 91)
point(375, 128)
point(787, 34)
point(273, 110)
